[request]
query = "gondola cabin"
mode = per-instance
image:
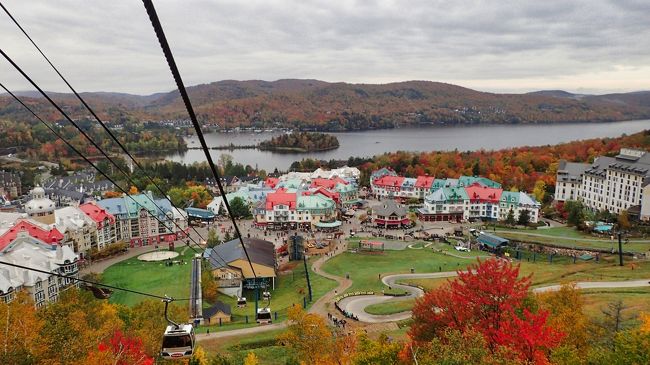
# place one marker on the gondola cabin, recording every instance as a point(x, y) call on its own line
point(178, 342)
point(266, 295)
point(264, 316)
point(241, 302)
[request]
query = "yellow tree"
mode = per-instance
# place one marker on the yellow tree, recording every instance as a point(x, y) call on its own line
point(645, 323)
point(379, 352)
point(313, 341)
point(133, 190)
point(539, 190)
point(200, 357)
point(624, 220)
point(19, 339)
point(566, 314)
point(147, 322)
point(251, 359)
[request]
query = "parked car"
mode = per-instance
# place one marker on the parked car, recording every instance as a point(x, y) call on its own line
point(462, 248)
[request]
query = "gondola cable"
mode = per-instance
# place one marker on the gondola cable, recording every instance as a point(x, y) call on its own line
point(162, 39)
point(92, 112)
point(92, 282)
point(74, 149)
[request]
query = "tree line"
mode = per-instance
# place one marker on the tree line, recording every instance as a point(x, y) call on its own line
point(301, 141)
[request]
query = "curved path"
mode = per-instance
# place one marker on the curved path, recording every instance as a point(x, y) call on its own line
point(357, 304)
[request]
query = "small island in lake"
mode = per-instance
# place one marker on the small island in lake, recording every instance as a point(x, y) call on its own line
point(301, 142)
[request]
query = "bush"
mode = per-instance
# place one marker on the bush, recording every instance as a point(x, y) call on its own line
point(108, 251)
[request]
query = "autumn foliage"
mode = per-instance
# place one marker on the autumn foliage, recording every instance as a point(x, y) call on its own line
point(489, 299)
point(120, 350)
point(314, 341)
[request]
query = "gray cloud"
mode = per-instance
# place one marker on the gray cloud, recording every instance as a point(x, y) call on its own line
point(592, 45)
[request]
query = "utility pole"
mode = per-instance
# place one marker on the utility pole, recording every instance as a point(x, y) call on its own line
point(620, 248)
point(307, 277)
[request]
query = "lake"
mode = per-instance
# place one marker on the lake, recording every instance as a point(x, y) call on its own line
point(370, 143)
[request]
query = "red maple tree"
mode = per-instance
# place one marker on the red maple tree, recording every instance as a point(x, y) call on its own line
point(489, 299)
point(122, 350)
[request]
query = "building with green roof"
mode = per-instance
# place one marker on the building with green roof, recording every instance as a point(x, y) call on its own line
point(518, 201)
point(444, 204)
point(466, 181)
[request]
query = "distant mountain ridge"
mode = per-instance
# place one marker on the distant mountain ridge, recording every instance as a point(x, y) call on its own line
point(314, 104)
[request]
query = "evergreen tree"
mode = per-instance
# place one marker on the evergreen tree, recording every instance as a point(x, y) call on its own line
point(239, 208)
point(510, 219)
point(524, 217)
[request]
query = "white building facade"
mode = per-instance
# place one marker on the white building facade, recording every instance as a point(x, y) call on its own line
point(609, 183)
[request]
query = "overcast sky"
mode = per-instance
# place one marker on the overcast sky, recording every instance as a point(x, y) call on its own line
point(592, 46)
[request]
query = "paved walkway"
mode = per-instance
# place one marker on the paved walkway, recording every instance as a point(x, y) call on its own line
point(357, 304)
point(599, 285)
point(240, 332)
point(321, 306)
point(100, 266)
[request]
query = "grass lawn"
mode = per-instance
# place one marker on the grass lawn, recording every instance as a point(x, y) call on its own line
point(262, 344)
point(364, 269)
point(149, 277)
point(563, 270)
point(290, 289)
point(391, 307)
point(570, 237)
point(635, 300)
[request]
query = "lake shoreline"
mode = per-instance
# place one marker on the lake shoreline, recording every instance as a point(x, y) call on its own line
point(414, 139)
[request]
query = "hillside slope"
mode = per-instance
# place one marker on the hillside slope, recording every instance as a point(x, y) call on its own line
point(313, 104)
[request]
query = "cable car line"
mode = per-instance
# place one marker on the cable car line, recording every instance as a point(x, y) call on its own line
point(162, 39)
point(93, 282)
point(85, 158)
point(92, 112)
point(88, 138)
point(128, 177)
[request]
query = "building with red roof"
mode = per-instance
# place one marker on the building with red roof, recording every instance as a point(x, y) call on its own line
point(41, 232)
point(280, 199)
point(327, 183)
point(105, 233)
point(387, 186)
point(423, 185)
point(483, 201)
point(271, 182)
point(327, 193)
point(301, 209)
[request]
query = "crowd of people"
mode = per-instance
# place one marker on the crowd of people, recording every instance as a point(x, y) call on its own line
point(344, 312)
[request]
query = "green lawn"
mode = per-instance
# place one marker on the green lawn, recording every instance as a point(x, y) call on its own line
point(570, 237)
point(150, 277)
point(635, 301)
point(391, 307)
point(563, 270)
point(174, 281)
point(364, 269)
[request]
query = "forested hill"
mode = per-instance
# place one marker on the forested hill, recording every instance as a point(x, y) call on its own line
point(313, 104)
